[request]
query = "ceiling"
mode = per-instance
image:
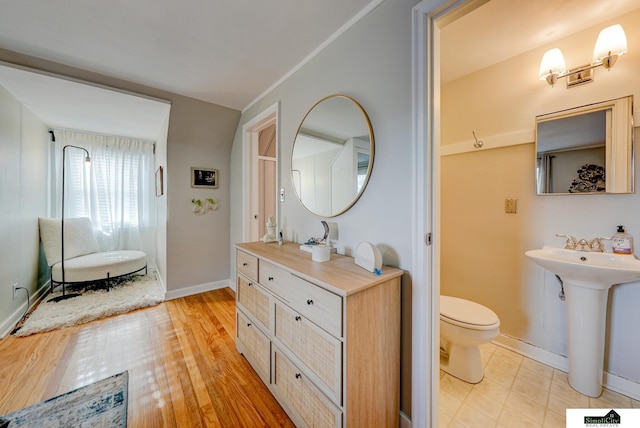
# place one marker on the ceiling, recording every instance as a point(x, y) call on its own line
point(226, 52)
point(230, 52)
point(501, 29)
point(67, 104)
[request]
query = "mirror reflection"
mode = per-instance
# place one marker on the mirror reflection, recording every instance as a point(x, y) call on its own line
point(332, 156)
point(588, 149)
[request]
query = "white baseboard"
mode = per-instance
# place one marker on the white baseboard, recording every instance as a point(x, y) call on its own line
point(161, 282)
point(609, 381)
point(196, 289)
point(7, 325)
point(540, 355)
point(621, 385)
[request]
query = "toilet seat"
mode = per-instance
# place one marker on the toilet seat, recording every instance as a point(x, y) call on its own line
point(467, 314)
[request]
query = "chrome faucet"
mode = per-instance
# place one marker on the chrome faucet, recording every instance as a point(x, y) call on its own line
point(594, 245)
point(571, 241)
point(582, 245)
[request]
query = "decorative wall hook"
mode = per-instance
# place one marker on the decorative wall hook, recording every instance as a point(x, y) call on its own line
point(478, 143)
point(200, 207)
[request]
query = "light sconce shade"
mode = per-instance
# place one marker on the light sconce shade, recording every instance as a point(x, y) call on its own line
point(552, 66)
point(611, 43)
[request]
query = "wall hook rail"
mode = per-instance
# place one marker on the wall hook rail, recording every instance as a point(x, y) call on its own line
point(478, 143)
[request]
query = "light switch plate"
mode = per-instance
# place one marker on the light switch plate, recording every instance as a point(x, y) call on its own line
point(511, 205)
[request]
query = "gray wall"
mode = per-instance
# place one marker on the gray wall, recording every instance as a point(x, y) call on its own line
point(200, 134)
point(23, 198)
point(370, 62)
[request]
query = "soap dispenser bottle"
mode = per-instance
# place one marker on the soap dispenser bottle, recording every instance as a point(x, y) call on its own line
point(622, 242)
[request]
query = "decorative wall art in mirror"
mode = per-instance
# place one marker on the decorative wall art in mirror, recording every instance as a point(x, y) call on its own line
point(332, 156)
point(586, 150)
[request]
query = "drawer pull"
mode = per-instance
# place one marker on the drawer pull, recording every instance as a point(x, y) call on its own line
point(250, 284)
point(298, 375)
point(245, 264)
point(298, 317)
point(248, 324)
point(270, 278)
point(309, 302)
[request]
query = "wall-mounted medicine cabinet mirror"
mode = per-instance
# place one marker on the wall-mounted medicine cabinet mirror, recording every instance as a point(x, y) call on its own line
point(586, 150)
point(332, 156)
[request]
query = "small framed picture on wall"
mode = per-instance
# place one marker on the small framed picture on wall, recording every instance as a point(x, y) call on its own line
point(204, 177)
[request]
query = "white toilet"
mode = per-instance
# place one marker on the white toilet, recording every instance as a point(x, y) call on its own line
point(464, 326)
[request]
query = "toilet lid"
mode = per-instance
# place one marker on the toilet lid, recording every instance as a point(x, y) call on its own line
point(466, 312)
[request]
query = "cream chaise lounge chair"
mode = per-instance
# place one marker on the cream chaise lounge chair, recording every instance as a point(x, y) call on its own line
point(84, 262)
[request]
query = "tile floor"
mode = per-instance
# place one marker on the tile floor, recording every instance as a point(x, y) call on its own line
point(516, 392)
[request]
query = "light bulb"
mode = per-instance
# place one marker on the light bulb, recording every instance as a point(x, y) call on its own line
point(611, 42)
point(552, 65)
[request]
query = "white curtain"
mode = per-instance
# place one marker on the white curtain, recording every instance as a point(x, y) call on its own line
point(116, 191)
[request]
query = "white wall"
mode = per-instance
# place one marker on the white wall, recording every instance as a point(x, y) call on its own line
point(371, 63)
point(483, 248)
point(161, 205)
point(344, 175)
point(314, 180)
point(23, 198)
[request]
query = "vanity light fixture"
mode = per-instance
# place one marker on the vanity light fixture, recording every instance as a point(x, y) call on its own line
point(611, 43)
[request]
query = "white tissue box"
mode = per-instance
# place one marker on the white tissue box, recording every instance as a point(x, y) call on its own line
point(320, 253)
point(309, 248)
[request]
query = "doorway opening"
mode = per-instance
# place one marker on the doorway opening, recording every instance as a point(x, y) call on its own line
point(267, 177)
point(429, 17)
point(260, 183)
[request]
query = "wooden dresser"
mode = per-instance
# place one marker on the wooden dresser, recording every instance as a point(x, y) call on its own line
point(324, 337)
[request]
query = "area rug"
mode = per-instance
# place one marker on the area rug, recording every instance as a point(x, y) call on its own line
point(137, 292)
point(101, 404)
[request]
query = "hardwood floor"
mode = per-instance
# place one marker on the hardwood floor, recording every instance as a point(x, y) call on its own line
point(184, 370)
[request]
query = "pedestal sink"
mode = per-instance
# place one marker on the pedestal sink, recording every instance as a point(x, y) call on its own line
point(587, 277)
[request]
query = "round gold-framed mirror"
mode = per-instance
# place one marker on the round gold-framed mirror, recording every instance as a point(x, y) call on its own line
point(332, 155)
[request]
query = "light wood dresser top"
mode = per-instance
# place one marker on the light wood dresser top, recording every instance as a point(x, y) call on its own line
point(340, 274)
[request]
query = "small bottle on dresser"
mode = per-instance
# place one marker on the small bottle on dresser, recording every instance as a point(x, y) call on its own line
point(622, 242)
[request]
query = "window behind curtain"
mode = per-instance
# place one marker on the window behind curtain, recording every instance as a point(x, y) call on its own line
point(115, 191)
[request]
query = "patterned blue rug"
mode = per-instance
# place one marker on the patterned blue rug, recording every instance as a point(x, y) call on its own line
point(101, 404)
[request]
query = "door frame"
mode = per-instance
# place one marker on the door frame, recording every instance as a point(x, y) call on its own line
point(250, 131)
point(425, 301)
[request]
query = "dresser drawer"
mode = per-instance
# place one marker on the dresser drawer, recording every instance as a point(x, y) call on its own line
point(247, 265)
point(254, 299)
point(314, 303)
point(310, 407)
point(275, 279)
point(254, 345)
point(320, 352)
